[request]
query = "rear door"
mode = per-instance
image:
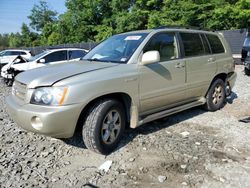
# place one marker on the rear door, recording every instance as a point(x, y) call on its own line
point(200, 64)
point(162, 84)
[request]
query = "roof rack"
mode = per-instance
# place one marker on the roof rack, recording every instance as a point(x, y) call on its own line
point(182, 27)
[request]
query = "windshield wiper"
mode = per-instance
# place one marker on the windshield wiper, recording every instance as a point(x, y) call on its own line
point(94, 59)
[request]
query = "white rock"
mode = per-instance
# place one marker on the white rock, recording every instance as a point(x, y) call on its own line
point(183, 166)
point(131, 159)
point(105, 166)
point(222, 180)
point(197, 143)
point(162, 178)
point(184, 183)
point(185, 134)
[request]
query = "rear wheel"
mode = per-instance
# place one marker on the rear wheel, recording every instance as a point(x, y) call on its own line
point(247, 71)
point(104, 126)
point(216, 96)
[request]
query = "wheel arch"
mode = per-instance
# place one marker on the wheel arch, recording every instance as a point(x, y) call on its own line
point(222, 76)
point(124, 98)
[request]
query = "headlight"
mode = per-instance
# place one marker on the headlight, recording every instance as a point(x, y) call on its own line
point(53, 96)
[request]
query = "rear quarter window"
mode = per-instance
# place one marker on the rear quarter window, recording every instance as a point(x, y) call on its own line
point(215, 44)
point(192, 44)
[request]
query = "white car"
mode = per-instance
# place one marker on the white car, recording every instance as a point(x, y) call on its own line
point(48, 57)
point(7, 56)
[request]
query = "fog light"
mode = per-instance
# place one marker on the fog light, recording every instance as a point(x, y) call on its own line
point(36, 123)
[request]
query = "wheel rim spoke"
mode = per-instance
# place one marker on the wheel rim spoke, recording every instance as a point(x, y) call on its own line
point(106, 135)
point(105, 126)
point(115, 117)
point(215, 100)
point(112, 136)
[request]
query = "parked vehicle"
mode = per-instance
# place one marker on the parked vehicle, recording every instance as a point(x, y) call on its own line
point(7, 56)
point(48, 57)
point(129, 79)
point(9, 74)
point(245, 55)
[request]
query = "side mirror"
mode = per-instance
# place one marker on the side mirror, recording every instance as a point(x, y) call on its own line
point(41, 61)
point(150, 57)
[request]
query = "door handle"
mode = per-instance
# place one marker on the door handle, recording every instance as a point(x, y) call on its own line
point(211, 59)
point(179, 65)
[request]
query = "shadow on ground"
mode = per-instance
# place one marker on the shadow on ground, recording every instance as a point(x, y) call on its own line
point(146, 129)
point(230, 99)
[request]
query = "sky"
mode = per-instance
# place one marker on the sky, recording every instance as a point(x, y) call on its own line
point(14, 12)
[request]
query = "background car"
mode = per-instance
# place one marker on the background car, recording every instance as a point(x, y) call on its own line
point(48, 57)
point(7, 56)
point(245, 55)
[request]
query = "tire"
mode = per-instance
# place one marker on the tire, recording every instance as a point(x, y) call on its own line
point(247, 71)
point(99, 134)
point(216, 96)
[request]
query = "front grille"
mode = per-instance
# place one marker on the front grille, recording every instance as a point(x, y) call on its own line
point(19, 90)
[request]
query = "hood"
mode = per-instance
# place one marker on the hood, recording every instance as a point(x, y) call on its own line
point(48, 75)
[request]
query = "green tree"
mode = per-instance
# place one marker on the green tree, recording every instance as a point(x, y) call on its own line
point(41, 15)
point(15, 40)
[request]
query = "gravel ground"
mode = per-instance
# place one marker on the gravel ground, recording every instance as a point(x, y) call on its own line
point(194, 148)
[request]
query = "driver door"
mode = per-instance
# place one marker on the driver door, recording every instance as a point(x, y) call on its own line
point(162, 84)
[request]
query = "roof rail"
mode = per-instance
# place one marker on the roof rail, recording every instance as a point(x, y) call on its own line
point(182, 27)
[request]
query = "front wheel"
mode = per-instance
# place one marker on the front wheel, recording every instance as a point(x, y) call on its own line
point(104, 126)
point(216, 96)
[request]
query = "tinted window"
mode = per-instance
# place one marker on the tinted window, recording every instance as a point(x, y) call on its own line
point(165, 43)
point(7, 53)
point(76, 54)
point(15, 53)
point(205, 44)
point(215, 44)
point(23, 53)
point(192, 44)
point(56, 56)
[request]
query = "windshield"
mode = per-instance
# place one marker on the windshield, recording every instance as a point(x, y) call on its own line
point(117, 49)
point(247, 42)
point(34, 58)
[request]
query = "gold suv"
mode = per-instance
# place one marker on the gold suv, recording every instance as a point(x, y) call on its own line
point(131, 78)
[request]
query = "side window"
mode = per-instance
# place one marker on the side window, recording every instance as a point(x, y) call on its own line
point(205, 44)
point(74, 54)
point(15, 53)
point(215, 44)
point(23, 53)
point(56, 56)
point(7, 53)
point(192, 44)
point(166, 44)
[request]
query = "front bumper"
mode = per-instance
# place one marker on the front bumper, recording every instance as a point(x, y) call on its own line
point(58, 122)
